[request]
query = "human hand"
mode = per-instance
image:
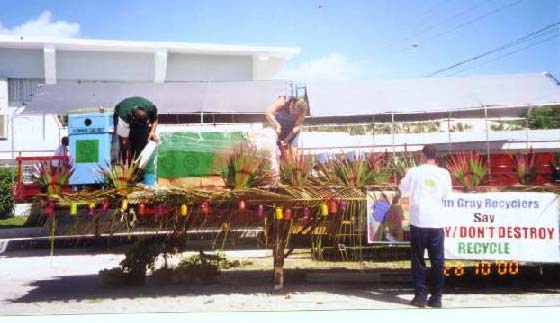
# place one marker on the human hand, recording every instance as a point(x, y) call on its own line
point(153, 137)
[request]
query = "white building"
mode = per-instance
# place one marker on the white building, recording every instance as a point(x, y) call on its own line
point(26, 62)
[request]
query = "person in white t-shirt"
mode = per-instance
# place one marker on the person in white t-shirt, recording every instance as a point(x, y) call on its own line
point(61, 150)
point(426, 186)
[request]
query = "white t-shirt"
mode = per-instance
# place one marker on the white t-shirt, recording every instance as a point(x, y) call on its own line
point(426, 186)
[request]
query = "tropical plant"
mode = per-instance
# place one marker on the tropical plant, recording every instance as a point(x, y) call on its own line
point(296, 171)
point(51, 177)
point(379, 167)
point(525, 167)
point(345, 172)
point(120, 176)
point(401, 163)
point(245, 168)
point(468, 169)
point(6, 200)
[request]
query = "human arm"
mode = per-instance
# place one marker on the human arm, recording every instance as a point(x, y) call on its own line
point(296, 128)
point(152, 134)
point(275, 107)
point(125, 150)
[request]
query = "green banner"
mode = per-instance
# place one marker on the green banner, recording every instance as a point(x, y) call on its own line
point(193, 154)
point(87, 151)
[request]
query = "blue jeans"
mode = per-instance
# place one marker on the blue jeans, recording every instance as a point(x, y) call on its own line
point(430, 239)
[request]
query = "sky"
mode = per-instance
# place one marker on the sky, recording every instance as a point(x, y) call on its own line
point(338, 39)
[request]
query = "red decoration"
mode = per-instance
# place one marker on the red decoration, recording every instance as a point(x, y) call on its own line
point(205, 208)
point(260, 211)
point(287, 214)
point(333, 207)
point(242, 204)
point(141, 209)
point(106, 205)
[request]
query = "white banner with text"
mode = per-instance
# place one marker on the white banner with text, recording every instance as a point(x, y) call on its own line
point(520, 226)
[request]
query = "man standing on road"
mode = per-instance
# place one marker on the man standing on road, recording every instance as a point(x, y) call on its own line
point(426, 186)
point(135, 120)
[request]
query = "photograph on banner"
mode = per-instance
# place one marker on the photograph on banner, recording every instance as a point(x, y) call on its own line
point(387, 217)
point(521, 226)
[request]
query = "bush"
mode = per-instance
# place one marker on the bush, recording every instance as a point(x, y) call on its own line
point(6, 199)
point(202, 266)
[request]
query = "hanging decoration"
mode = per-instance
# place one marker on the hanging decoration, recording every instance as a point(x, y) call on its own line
point(324, 209)
point(260, 211)
point(124, 205)
point(306, 213)
point(106, 206)
point(279, 213)
point(288, 214)
point(205, 207)
point(141, 209)
point(74, 209)
point(91, 209)
point(242, 204)
point(333, 206)
point(184, 209)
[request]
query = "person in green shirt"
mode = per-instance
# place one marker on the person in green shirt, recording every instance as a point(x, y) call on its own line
point(135, 120)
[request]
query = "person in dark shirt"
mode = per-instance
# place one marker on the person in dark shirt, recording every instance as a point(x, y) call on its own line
point(135, 120)
point(287, 116)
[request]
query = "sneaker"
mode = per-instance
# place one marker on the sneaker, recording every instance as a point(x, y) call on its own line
point(417, 302)
point(435, 303)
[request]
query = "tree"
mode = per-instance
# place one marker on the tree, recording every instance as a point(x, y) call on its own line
point(543, 118)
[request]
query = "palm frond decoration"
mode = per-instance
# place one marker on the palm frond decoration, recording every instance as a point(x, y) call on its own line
point(296, 171)
point(525, 167)
point(120, 176)
point(379, 168)
point(468, 169)
point(341, 171)
point(52, 177)
point(400, 164)
point(245, 168)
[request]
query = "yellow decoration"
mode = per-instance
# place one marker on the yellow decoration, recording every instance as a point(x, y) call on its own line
point(124, 205)
point(184, 210)
point(74, 209)
point(324, 209)
point(279, 214)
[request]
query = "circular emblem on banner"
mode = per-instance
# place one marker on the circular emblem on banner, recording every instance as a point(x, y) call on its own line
point(167, 164)
point(191, 162)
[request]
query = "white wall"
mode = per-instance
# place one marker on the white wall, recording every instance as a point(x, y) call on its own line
point(21, 63)
point(32, 135)
point(111, 66)
point(3, 95)
point(266, 68)
point(183, 67)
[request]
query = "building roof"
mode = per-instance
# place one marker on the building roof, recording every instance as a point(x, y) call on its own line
point(75, 44)
point(463, 96)
point(169, 98)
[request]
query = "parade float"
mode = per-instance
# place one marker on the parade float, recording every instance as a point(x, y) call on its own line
point(224, 186)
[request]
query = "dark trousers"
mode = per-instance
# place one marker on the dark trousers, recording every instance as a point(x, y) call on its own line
point(430, 239)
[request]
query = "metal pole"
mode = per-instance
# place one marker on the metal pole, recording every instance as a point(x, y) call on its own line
point(373, 132)
point(449, 132)
point(393, 132)
point(487, 144)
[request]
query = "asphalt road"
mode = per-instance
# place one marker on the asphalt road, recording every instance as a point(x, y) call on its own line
point(35, 283)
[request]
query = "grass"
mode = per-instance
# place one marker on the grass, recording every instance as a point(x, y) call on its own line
point(14, 222)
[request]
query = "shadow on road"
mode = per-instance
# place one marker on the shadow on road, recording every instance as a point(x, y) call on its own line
point(87, 287)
